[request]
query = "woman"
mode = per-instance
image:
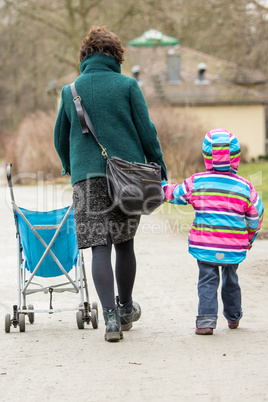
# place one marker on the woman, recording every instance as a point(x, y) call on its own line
point(120, 117)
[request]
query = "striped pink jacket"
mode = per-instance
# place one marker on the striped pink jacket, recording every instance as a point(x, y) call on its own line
point(228, 210)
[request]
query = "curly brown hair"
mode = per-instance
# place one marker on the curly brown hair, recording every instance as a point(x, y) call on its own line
point(102, 41)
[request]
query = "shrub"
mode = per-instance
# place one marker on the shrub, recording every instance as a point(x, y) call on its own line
point(32, 150)
point(4, 140)
point(244, 158)
point(263, 158)
point(181, 136)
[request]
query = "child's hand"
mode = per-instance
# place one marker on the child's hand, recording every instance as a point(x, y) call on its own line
point(168, 190)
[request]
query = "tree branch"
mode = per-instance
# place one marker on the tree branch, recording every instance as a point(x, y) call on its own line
point(47, 23)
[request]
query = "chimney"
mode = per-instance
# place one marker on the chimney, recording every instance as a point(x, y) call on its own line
point(201, 75)
point(136, 73)
point(173, 66)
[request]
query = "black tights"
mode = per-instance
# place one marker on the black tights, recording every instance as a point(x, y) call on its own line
point(125, 271)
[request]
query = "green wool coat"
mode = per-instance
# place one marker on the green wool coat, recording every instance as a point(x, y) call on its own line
point(119, 115)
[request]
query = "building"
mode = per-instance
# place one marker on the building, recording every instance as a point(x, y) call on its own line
point(220, 93)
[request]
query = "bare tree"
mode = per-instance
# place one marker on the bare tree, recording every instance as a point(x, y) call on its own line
point(65, 21)
point(40, 39)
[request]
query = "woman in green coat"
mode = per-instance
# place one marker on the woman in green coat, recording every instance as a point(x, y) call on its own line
point(121, 120)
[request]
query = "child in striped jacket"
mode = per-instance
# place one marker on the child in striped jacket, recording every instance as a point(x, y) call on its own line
point(228, 216)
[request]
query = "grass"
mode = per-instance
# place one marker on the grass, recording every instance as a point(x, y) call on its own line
point(257, 174)
point(181, 217)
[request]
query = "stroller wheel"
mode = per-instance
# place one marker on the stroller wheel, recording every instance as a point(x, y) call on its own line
point(95, 306)
point(79, 319)
point(31, 315)
point(7, 323)
point(22, 322)
point(94, 318)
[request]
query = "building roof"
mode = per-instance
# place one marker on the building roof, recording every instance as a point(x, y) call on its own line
point(223, 83)
point(226, 82)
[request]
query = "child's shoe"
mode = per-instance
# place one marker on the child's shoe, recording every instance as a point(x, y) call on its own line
point(128, 312)
point(233, 325)
point(204, 331)
point(113, 331)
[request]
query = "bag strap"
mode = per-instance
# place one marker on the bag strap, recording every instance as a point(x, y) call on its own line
point(84, 119)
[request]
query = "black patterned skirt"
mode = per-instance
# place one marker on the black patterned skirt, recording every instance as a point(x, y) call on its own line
point(96, 217)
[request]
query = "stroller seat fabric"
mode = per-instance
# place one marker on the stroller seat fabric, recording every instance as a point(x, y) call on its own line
point(64, 246)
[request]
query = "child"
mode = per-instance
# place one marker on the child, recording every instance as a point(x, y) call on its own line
point(228, 216)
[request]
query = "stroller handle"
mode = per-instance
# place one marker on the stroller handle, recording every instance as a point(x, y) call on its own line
point(9, 165)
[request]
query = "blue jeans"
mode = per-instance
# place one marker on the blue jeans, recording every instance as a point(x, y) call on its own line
point(208, 284)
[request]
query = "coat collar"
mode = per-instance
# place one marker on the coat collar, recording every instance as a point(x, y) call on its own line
point(97, 61)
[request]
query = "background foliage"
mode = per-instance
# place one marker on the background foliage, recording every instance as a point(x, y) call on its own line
point(40, 39)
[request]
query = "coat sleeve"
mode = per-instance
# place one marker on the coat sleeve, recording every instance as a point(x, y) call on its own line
point(62, 137)
point(179, 193)
point(254, 216)
point(146, 128)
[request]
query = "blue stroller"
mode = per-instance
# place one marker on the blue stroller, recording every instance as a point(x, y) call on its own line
point(47, 248)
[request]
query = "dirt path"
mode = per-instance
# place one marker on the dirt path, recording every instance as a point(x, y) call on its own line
point(160, 359)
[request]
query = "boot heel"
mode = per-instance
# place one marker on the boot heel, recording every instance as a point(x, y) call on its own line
point(113, 331)
point(126, 327)
point(112, 336)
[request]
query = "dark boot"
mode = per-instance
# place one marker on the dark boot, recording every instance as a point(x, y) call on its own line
point(113, 332)
point(128, 312)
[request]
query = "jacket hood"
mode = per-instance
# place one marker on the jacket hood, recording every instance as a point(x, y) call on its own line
point(221, 151)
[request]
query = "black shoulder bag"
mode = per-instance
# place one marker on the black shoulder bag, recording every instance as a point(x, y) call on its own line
point(135, 187)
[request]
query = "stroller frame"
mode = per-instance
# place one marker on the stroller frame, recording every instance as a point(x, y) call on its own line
point(76, 285)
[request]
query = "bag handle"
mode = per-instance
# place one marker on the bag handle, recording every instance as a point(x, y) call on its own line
point(84, 119)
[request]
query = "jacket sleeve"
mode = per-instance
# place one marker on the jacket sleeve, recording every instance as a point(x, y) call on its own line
point(254, 216)
point(146, 128)
point(179, 193)
point(62, 137)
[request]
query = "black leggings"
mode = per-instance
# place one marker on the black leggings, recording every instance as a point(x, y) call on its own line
point(125, 271)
